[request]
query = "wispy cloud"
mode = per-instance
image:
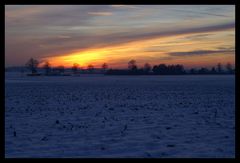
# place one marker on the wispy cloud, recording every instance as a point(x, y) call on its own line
point(49, 30)
point(63, 37)
point(201, 12)
point(198, 36)
point(202, 52)
point(100, 13)
point(125, 6)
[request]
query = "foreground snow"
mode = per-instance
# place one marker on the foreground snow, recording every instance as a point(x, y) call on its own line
point(120, 116)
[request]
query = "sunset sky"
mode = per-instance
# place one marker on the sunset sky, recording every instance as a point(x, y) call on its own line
point(192, 35)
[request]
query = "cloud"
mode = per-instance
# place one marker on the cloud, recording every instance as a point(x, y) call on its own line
point(198, 36)
point(202, 52)
point(201, 12)
point(71, 41)
point(125, 6)
point(63, 37)
point(52, 15)
point(133, 35)
point(100, 13)
point(49, 30)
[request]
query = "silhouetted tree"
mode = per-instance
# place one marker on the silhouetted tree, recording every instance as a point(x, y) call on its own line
point(203, 70)
point(193, 71)
point(47, 67)
point(163, 69)
point(147, 68)
point(32, 65)
point(219, 68)
point(90, 68)
point(160, 69)
point(178, 69)
point(229, 68)
point(104, 67)
point(213, 70)
point(132, 65)
point(75, 68)
point(155, 69)
point(168, 70)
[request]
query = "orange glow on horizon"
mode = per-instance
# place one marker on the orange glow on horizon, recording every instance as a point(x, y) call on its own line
point(153, 51)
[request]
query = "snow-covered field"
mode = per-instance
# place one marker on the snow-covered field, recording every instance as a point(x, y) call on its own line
point(120, 116)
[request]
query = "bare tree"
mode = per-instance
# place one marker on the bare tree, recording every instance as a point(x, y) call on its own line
point(213, 70)
point(219, 68)
point(132, 65)
point(229, 68)
point(193, 71)
point(147, 67)
point(32, 65)
point(47, 67)
point(75, 68)
point(90, 68)
point(104, 67)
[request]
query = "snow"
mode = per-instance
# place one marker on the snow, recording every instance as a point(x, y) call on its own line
point(95, 116)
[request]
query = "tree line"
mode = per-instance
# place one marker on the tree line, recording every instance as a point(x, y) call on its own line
point(33, 65)
point(132, 69)
point(163, 69)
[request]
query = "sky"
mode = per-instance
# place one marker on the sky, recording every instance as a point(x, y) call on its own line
point(192, 35)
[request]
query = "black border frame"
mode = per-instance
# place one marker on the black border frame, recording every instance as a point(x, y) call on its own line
point(93, 2)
